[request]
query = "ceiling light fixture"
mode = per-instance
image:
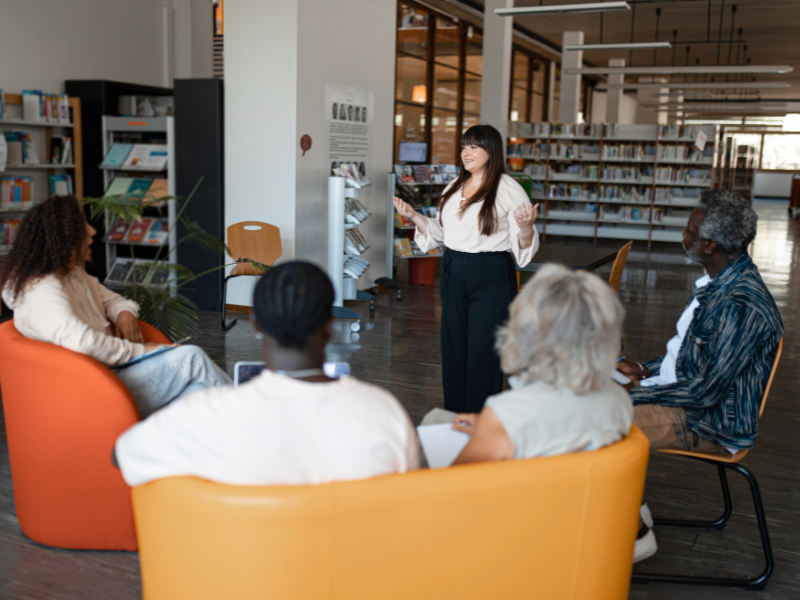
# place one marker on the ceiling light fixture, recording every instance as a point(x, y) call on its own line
point(528, 11)
point(620, 46)
point(750, 85)
point(680, 70)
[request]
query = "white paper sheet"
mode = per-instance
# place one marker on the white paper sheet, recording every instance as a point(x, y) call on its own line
point(441, 443)
point(620, 378)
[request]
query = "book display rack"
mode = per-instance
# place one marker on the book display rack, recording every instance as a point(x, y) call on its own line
point(43, 154)
point(139, 165)
point(346, 244)
point(634, 182)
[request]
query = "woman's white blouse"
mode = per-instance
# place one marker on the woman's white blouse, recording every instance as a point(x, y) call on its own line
point(462, 233)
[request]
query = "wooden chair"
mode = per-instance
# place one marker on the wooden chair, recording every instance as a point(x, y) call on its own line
point(619, 265)
point(726, 461)
point(257, 241)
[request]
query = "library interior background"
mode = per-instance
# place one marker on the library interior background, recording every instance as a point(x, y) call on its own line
point(284, 129)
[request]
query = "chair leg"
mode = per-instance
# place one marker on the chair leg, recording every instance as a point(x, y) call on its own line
point(753, 583)
point(224, 302)
point(718, 524)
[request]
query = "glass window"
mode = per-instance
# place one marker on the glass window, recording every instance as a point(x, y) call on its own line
point(469, 121)
point(447, 42)
point(444, 129)
point(519, 108)
point(411, 76)
point(520, 73)
point(539, 76)
point(412, 31)
point(472, 93)
point(445, 87)
point(781, 152)
point(474, 52)
point(409, 123)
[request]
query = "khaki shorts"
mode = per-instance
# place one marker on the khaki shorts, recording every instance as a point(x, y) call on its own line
point(665, 427)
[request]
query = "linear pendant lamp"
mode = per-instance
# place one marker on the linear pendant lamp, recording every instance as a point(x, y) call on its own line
point(621, 46)
point(681, 70)
point(530, 11)
point(712, 85)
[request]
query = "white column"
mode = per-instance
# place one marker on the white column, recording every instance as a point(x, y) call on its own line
point(496, 84)
point(551, 91)
point(570, 104)
point(193, 38)
point(261, 122)
point(646, 115)
point(614, 98)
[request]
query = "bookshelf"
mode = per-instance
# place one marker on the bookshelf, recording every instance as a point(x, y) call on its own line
point(346, 247)
point(144, 130)
point(636, 182)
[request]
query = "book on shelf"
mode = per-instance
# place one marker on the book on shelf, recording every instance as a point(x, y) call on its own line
point(401, 221)
point(354, 174)
point(158, 189)
point(116, 156)
point(159, 277)
point(140, 272)
point(8, 232)
point(16, 191)
point(119, 187)
point(402, 248)
point(138, 188)
point(50, 108)
point(158, 232)
point(61, 185)
point(405, 173)
point(138, 231)
point(119, 272)
point(117, 231)
point(145, 106)
point(435, 174)
point(20, 148)
point(421, 174)
point(150, 157)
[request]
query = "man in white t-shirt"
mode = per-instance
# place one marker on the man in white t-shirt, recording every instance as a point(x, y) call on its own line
point(292, 424)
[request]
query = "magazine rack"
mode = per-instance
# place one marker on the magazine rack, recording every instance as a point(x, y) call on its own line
point(346, 246)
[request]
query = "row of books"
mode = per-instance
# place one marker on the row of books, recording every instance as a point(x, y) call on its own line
point(145, 157)
point(50, 108)
point(16, 191)
point(684, 153)
point(574, 172)
point(401, 221)
point(670, 175)
point(354, 212)
point(138, 189)
point(519, 129)
point(61, 185)
point(406, 248)
point(147, 273)
point(61, 150)
point(20, 149)
point(631, 151)
point(354, 174)
point(354, 242)
point(146, 106)
point(425, 173)
point(8, 233)
point(677, 131)
point(146, 231)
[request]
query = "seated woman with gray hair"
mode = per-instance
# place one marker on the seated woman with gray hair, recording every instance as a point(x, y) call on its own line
point(559, 348)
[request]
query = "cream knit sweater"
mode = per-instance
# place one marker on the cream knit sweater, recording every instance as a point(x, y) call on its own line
point(75, 312)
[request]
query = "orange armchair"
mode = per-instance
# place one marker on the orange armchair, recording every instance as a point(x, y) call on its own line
point(64, 412)
point(555, 528)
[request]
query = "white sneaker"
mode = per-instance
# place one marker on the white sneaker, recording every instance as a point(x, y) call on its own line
point(645, 547)
point(647, 518)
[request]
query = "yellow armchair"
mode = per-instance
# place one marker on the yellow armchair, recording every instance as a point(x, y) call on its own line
point(560, 527)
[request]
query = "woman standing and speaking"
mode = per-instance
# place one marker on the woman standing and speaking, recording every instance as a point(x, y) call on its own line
point(484, 214)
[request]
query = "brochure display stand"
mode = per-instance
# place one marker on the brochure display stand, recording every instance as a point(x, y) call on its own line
point(345, 248)
point(143, 169)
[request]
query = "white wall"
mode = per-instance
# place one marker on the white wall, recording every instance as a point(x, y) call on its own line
point(768, 184)
point(278, 58)
point(45, 42)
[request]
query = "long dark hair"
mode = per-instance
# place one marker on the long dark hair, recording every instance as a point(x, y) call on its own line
point(46, 242)
point(488, 138)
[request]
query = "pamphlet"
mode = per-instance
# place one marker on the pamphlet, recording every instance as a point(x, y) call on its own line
point(442, 444)
point(116, 156)
point(147, 157)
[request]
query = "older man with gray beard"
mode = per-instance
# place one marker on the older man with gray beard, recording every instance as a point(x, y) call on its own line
point(704, 394)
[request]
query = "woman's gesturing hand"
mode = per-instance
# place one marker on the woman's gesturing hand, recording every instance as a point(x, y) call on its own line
point(466, 422)
point(525, 216)
point(404, 208)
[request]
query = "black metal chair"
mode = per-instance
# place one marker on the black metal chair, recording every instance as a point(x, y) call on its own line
point(724, 463)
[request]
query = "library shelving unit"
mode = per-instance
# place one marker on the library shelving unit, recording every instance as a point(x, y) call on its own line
point(635, 182)
point(737, 167)
point(345, 249)
point(42, 133)
point(142, 130)
point(394, 229)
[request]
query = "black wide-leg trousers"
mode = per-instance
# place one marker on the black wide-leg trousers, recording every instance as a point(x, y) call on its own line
point(476, 289)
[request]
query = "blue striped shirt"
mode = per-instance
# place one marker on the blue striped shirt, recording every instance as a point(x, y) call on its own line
point(725, 359)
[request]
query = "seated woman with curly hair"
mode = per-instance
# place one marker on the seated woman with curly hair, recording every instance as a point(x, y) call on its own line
point(55, 301)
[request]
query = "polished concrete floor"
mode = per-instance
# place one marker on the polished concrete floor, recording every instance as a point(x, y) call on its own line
point(399, 350)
